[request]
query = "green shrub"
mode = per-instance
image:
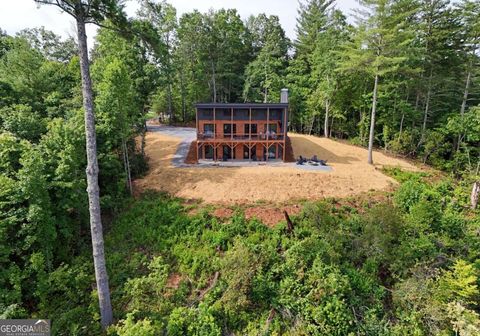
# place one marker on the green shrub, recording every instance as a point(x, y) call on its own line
point(409, 194)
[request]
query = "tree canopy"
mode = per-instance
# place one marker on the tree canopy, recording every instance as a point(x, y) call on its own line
point(403, 77)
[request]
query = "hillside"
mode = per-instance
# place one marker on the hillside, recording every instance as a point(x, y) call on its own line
point(350, 174)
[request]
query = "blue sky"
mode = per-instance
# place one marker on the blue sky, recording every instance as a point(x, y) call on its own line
point(18, 14)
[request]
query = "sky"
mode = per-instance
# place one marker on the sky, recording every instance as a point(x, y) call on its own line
point(16, 15)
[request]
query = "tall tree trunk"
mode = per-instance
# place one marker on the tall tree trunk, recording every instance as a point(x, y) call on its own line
point(474, 195)
point(464, 103)
point(182, 89)
point(331, 127)
point(427, 107)
point(126, 163)
point(170, 109)
point(327, 108)
point(312, 122)
point(92, 180)
point(143, 141)
point(214, 84)
point(401, 125)
point(372, 121)
point(265, 94)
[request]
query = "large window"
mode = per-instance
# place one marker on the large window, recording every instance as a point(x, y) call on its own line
point(272, 131)
point(227, 129)
point(208, 130)
point(252, 126)
point(272, 128)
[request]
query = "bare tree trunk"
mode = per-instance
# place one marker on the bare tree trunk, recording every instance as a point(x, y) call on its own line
point(372, 121)
point(464, 104)
point(310, 128)
point(427, 107)
point(331, 127)
point(93, 190)
point(214, 84)
point(124, 157)
point(170, 109)
point(290, 226)
point(401, 125)
point(327, 108)
point(474, 195)
point(143, 141)
point(126, 162)
point(184, 106)
point(270, 318)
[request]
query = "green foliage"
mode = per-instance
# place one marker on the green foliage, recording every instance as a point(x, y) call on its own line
point(22, 122)
point(409, 194)
point(198, 322)
point(264, 75)
point(130, 327)
point(396, 268)
point(460, 283)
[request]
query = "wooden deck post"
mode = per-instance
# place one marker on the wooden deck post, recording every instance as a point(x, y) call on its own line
point(231, 124)
point(268, 131)
point(214, 136)
point(250, 134)
point(284, 133)
point(198, 124)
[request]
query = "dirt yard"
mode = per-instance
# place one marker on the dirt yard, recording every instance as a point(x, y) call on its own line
point(351, 174)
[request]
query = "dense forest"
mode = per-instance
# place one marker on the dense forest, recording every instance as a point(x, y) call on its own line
point(403, 76)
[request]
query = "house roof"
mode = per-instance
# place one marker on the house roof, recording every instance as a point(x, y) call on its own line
point(241, 105)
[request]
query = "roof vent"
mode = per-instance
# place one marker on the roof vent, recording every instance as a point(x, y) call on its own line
point(284, 96)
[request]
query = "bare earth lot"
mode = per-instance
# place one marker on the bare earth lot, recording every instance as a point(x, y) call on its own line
point(242, 185)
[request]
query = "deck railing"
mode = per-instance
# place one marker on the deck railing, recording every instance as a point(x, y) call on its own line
point(239, 136)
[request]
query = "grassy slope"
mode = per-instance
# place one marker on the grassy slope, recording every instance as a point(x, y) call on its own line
point(201, 275)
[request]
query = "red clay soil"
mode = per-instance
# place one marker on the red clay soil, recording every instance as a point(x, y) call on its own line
point(289, 156)
point(223, 213)
point(174, 280)
point(269, 215)
point(192, 153)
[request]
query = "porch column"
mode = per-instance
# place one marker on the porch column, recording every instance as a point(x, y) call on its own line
point(197, 121)
point(268, 130)
point(250, 134)
point(214, 135)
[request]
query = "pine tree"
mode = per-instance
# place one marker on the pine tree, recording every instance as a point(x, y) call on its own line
point(264, 76)
point(324, 61)
point(469, 12)
point(376, 49)
point(312, 21)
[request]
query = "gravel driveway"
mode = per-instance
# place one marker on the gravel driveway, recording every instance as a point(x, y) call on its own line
point(187, 134)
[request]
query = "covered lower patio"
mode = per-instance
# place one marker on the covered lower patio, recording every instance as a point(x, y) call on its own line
point(241, 151)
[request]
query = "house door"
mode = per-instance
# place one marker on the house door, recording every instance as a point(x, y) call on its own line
point(209, 152)
point(227, 153)
point(246, 150)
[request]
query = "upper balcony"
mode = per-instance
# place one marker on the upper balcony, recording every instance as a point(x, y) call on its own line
point(242, 112)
